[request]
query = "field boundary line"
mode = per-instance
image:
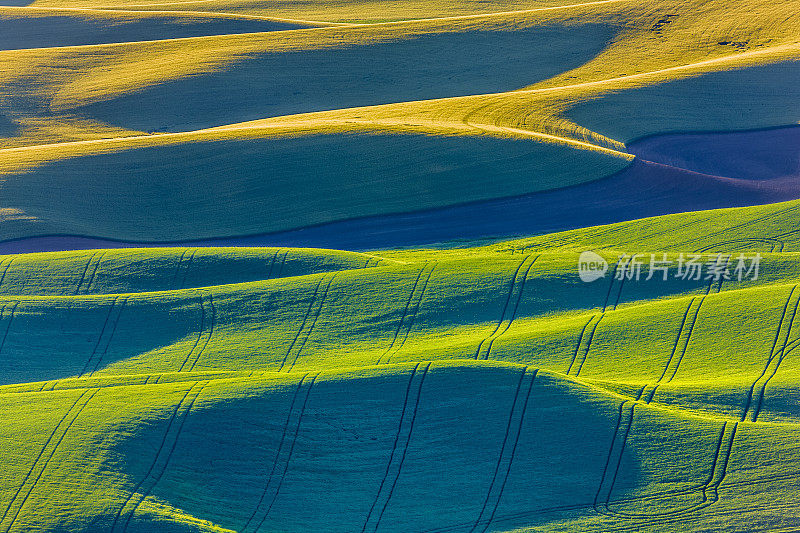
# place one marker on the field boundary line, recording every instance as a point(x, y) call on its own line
point(41, 453)
point(402, 434)
point(177, 270)
point(751, 391)
point(649, 394)
point(305, 320)
point(716, 475)
point(118, 314)
point(414, 314)
point(8, 326)
point(599, 502)
point(97, 261)
point(85, 270)
point(686, 341)
point(763, 240)
point(199, 333)
point(613, 278)
point(99, 337)
point(781, 355)
point(402, 460)
point(204, 334)
point(514, 311)
point(286, 424)
point(210, 331)
point(774, 355)
point(272, 264)
point(200, 386)
point(749, 222)
point(186, 266)
point(403, 315)
point(283, 263)
point(578, 345)
point(589, 344)
point(5, 269)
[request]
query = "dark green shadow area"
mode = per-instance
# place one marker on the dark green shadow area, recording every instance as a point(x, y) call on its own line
point(319, 462)
point(757, 97)
point(429, 66)
point(228, 188)
point(72, 338)
point(7, 126)
point(33, 31)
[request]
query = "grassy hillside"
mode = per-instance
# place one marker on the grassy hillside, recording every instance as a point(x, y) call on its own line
point(590, 76)
point(474, 384)
point(234, 187)
point(470, 389)
point(32, 28)
point(350, 11)
point(763, 228)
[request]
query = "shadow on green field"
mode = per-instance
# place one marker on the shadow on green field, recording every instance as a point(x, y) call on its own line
point(410, 448)
point(443, 446)
point(7, 126)
point(416, 447)
point(79, 336)
point(423, 67)
point(348, 314)
point(229, 188)
point(673, 173)
point(32, 31)
point(767, 96)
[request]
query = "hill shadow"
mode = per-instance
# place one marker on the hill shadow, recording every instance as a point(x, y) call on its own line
point(741, 99)
point(752, 155)
point(765, 164)
point(47, 31)
point(7, 126)
point(204, 189)
point(455, 464)
point(422, 67)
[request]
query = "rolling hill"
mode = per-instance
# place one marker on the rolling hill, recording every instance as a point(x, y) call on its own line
point(314, 266)
point(168, 381)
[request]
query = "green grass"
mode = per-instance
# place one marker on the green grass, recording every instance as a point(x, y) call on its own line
point(471, 388)
point(765, 228)
point(243, 398)
point(165, 269)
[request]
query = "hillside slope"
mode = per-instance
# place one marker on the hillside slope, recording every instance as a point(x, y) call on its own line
point(393, 117)
point(465, 390)
point(360, 266)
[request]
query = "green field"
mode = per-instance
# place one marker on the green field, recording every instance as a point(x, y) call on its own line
point(467, 385)
point(482, 388)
